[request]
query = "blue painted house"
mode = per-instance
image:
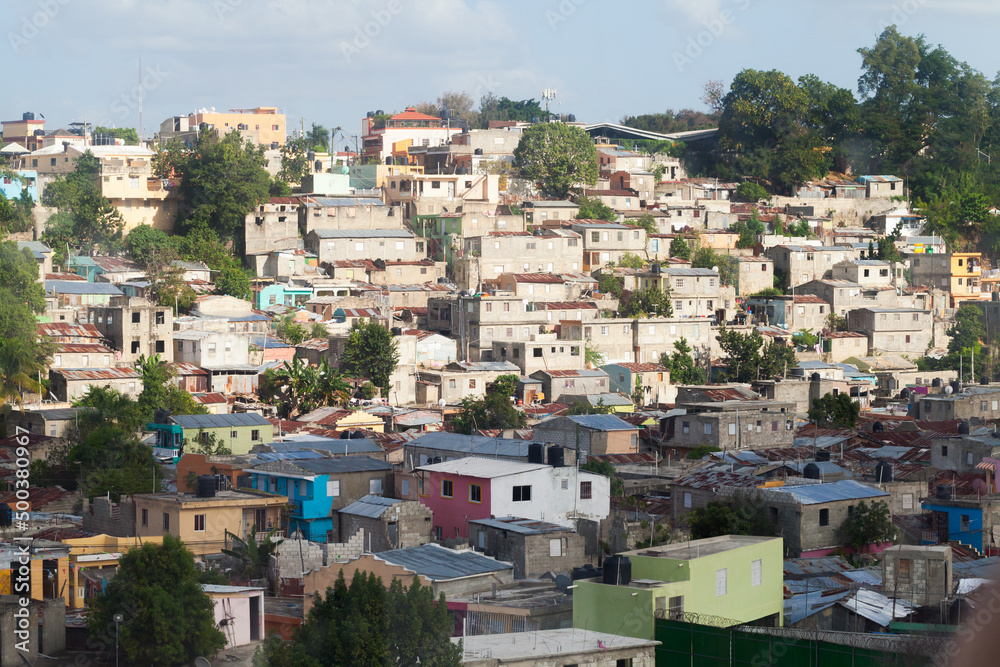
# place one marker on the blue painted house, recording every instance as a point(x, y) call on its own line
point(11, 186)
point(959, 520)
point(317, 488)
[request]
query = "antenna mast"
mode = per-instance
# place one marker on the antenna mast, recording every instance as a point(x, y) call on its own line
point(548, 95)
point(140, 101)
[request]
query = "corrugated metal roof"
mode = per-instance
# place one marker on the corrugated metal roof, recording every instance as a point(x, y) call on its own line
point(715, 479)
point(440, 564)
point(220, 421)
point(334, 446)
point(521, 526)
point(80, 287)
point(600, 422)
point(877, 607)
point(337, 466)
point(473, 466)
point(98, 373)
point(473, 444)
point(370, 506)
point(848, 489)
point(363, 233)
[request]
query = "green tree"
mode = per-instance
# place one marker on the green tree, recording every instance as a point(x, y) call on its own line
point(683, 368)
point(838, 411)
point(718, 518)
point(557, 156)
point(128, 134)
point(751, 192)
point(221, 181)
point(371, 352)
point(234, 281)
point(582, 407)
point(252, 554)
point(295, 164)
point(318, 330)
point(20, 366)
point(148, 245)
point(706, 258)
point(609, 283)
point(646, 302)
point(298, 388)
point(631, 261)
point(318, 137)
point(701, 451)
point(646, 221)
point(679, 248)
point(750, 358)
point(592, 208)
point(86, 219)
point(601, 467)
point(835, 322)
point(504, 385)
point(492, 411)
point(288, 330)
point(15, 214)
point(968, 331)
point(805, 338)
point(156, 587)
point(870, 524)
point(592, 357)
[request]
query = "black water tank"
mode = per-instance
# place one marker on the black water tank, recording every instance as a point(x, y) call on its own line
point(571, 118)
point(816, 377)
point(984, 380)
point(478, 151)
point(883, 472)
point(996, 296)
point(963, 428)
point(206, 486)
point(557, 457)
point(955, 385)
point(587, 571)
point(6, 518)
point(943, 492)
point(379, 112)
point(28, 115)
point(811, 471)
point(536, 453)
point(396, 331)
point(936, 382)
point(617, 570)
point(822, 455)
point(877, 427)
point(905, 393)
point(318, 165)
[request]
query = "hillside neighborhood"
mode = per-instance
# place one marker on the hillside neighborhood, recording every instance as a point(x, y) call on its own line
point(496, 387)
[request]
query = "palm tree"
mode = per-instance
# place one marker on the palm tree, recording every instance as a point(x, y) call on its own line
point(253, 555)
point(19, 366)
point(319, 137)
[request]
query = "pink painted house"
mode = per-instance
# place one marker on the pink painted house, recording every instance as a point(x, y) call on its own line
point(466, 489)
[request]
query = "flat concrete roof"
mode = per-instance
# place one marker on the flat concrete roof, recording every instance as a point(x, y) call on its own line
point(544, 644)
point(700, 548)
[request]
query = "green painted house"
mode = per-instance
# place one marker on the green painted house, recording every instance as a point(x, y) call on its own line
point(239, 431)
point(439, 230)
point(726, 580)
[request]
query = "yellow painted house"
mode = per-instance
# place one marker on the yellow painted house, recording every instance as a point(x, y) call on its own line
point(333, 417)
point(93, 554)
point(48, 569)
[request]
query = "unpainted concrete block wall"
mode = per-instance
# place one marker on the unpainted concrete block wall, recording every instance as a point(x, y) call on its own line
point(108, 518)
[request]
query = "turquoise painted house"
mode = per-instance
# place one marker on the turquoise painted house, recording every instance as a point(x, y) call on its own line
point(280, 294)
point(11, 186)
point(317, 488)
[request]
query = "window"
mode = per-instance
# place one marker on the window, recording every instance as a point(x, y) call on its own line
point(732, 428)
point(333, 488)
point(686, 427)
point(145, 517)
point(555, 547)
point(447, 488)
point(521, 493)
point(255, 434)
point(375, 487)
point(586, 491)
point(904, 568)
point(475, 493)
point(199, 523)
point(907, 501)
point(405, 487)
point(824, 517)
point(965, 523)
point(968, 458)
point(687, 499)
point(136, 318)
point(944, 450)
point(720, 582)
point(233, 435)
point(166, 521)
point(756, 572)
point(708, 429)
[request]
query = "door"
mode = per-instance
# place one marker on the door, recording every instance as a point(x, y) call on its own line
point(451, 189)
point(260, 519)
point(393, 535)
point(254, 618)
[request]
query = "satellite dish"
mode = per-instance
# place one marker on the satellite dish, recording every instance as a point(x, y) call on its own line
point(715, 268)
point(202, 662)
point(563, 582)
point(949, 390)
point(442, 403)
point(980, 487)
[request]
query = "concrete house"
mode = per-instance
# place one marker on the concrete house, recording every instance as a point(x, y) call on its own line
point(964, 452)
point(547, 250)
point(544, 352)
point(319, 487)
point(973, 402)
point(534, 547)
point(209, 349)
point(83, 355)
point(202, 521)
point(919, 574)
point(72, 384)
point(864, 272)
point(386, 523)
point(136, 327)
point(542, 212)
point(654, 380)
point(605, 242)
point(459, 380)
point(350, 244)
point(894, 330)
point(845, 296)
point(590, 435)
point(801, 264)
point(556, 384)
point(734, 424)
point(958, 273)
point(240, 431)
point(697, 489)
point(474, 488)
point(546, 286)
point(732, 576)
point(802, 311)
point(693, 292)
point(753, 275)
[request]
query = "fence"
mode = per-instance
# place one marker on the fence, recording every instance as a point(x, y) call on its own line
point(697, 645)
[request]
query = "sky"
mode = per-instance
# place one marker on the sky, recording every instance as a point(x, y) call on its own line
point(331, 61)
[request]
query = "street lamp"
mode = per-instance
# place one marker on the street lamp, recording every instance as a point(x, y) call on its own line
point(118, 619)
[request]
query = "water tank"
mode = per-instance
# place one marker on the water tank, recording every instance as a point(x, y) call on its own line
point(318, 166)
point(461, 171)
point(587, 571)
point(822, 455)
point(445, 114)
point(5, 515)
point(396, 331)
point(963, 428)
point(206, 486)
point(345, 170)
point(557, 457)
point(536, 453)
point(28, 115)
point(816, 377)
point(811, 471)
point(905, 393)
point(275, 145)
point(955, 385)
point(943, 492)
point(310, 156)
point(371, 114)
point(478, 151)
point(984, 380)
point(877, 427)
point(883, 472)
point(656, 269)
point(936, 382)
point(571, 118)
point(617, 570)
point(996, 296)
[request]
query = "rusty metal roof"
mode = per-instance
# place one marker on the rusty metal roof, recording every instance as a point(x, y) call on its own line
point(716, 479)
point(536, 277)
point(185, 368)
point(83, 348)
point(98, 373)
point(68, 329)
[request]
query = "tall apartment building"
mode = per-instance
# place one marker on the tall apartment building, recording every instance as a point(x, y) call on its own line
point(135, 327)
point(262, 125)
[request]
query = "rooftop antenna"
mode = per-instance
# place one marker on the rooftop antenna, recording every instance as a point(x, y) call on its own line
point(548, 95)
point(140, 105)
